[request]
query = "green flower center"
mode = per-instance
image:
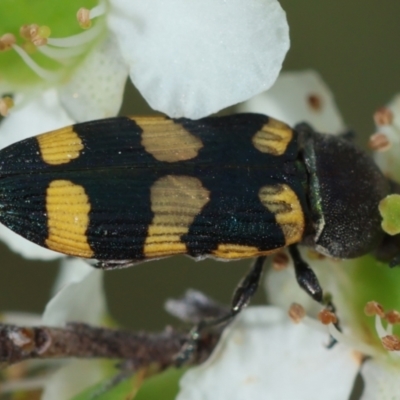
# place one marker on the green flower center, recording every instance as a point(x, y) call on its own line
point(370, 281)
point(43, 41)
point(390, 212)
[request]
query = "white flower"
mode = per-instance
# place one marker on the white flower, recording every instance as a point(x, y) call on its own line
point(188, 58)
point(265, 356)
point(299, 97)
point(87, 69)
point(353, 284)
point(78, 297)
point(386, 140)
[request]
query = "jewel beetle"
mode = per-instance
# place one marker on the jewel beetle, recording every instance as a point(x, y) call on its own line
point(128, 189)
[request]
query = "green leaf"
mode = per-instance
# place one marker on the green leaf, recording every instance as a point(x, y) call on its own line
point(100, 391)
point(163, 386)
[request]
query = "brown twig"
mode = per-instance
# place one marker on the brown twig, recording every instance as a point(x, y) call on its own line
point(84, 341)
point(138, 349)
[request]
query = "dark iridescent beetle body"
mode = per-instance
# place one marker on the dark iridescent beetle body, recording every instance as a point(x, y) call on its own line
point(123, 190)
point(231, 187)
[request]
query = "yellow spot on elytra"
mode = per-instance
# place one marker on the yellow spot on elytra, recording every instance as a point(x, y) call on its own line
point(60, 146)
point(175, 202)
point(283, 202)
point(232, 251)
point(273, 138)
point(68, 207)
point(166, 140)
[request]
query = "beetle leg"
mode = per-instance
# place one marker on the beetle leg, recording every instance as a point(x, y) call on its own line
point(308, 281)
point(247, 286)
point(305, 276)
point(241, 298)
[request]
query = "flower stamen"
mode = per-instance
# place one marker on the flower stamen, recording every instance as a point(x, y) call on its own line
point(327, 317)
point(280, 261)
point(379, 142)
point(26, 30)
point(78, 39)
point(374, 308)
point(83, 17)
point(41, 72)
point(391, 342)
point(35, 34)
point(5, 104)
point(315, 102)
point(42, 34)
point(97, 11)
point(361, 347)
point(383, 116)
point(296, 312)
point(380, 330)
point(393, 317)
point(59, 54)
point(6, 41)
point(63, 50)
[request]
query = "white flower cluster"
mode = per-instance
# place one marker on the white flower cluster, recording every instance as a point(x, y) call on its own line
point(192, 58)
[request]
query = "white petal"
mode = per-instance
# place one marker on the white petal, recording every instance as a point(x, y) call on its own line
point(265, 356)
point(389, 160)
point(381, 380)
point(20, 318)
point(42, 114)
point(96, 88)
point(193, 57)
point(80, 300)
point(299, 97)
point(395, 107)
point(72, 379)
point(26, 248)
point(282, 288)
point(72, 270)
